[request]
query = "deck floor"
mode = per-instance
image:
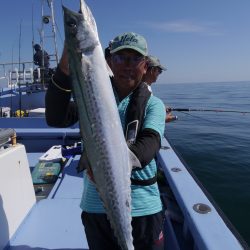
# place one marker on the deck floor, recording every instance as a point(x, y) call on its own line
point(55, 222)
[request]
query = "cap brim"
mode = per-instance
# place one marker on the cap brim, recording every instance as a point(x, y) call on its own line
point(163, 68)
point(128, 47)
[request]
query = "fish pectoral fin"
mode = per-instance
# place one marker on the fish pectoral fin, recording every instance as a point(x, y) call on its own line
point(135, 163)
point(110, 72)
point(83, 163)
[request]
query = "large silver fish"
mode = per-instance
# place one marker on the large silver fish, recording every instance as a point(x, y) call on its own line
point(100, 124)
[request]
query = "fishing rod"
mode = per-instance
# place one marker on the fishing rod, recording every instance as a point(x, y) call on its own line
point(169, 109)
point(19, 69)
point(33, 35)
point(202, 118)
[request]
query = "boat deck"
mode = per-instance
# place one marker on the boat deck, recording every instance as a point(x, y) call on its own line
point(45, 229)
point(55, 222)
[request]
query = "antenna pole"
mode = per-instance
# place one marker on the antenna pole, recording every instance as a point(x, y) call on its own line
point(54, 29)
point(19, 63)
point(33, 35)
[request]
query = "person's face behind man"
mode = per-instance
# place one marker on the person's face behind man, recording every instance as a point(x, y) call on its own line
point(152, 75)
point(128, 67)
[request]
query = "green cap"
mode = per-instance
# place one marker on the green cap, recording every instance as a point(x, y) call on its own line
point(129, 40)
point(155, 62)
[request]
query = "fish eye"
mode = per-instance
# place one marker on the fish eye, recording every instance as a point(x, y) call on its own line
point(72, 23)
point(72, 26)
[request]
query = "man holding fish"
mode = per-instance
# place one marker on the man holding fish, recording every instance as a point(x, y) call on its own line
point(106, 203)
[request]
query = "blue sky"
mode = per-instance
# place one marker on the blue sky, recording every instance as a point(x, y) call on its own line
point(198, 41)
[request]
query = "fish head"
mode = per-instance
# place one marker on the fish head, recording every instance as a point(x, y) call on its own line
point(80, 29)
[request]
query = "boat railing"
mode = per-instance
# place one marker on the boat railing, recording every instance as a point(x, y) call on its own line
point(20, 77)
point(17, 74)
point(192, 218)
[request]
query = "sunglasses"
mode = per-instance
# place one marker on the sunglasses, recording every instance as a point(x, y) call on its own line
point(133, 60)
point(156, 68)
point(159, 70)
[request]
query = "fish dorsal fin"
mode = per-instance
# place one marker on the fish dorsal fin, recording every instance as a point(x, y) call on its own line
point(135, 163)
point(83, 162)
point(110, 72)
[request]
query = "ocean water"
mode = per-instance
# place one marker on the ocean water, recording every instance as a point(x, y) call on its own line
point(215, 145)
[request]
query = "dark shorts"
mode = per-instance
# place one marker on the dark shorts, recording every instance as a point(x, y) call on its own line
point(147, 232)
